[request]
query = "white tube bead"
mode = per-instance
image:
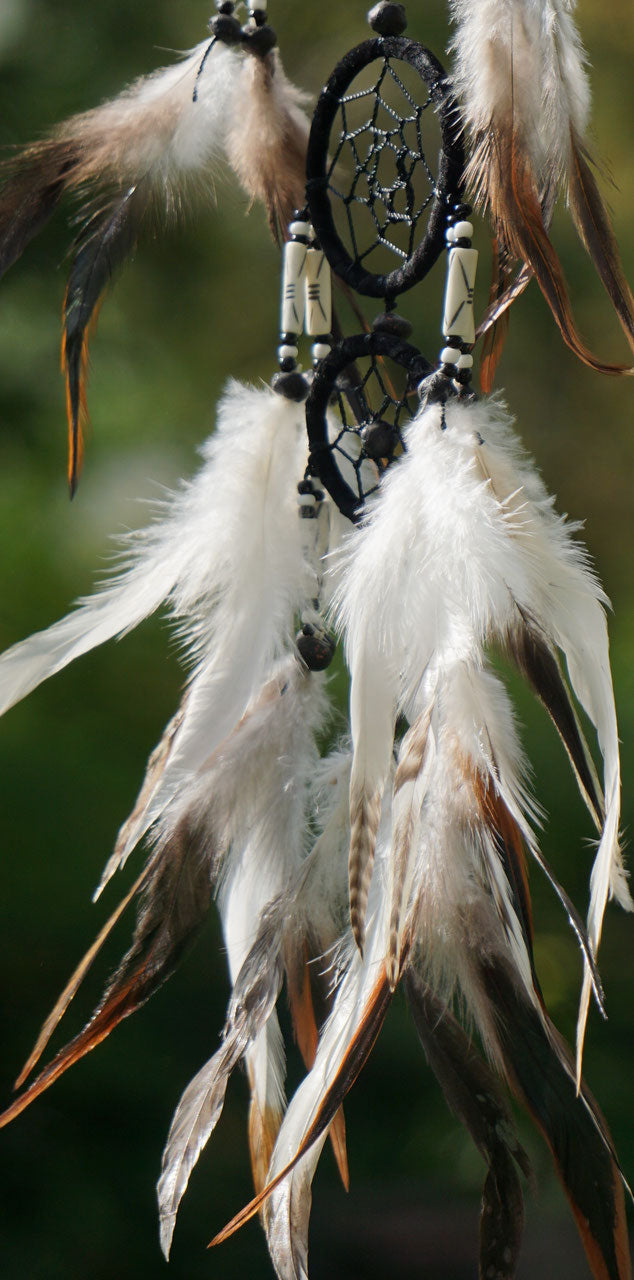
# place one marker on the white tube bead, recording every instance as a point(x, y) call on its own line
point(293, 291)
point(318, 294)
point(458, 319)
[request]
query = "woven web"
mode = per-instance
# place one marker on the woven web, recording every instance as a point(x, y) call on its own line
point(392, 184)
point(374, 405)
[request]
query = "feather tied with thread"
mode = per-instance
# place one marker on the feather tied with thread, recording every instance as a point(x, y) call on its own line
point(146, 155)
point(520, 73)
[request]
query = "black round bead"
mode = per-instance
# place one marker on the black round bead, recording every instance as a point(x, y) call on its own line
point(259, 40)
point(379, 440)
point(259, 16)
point(388, 19)
point(226, 29)
point(225, 6)
point(315, 650)
point(390, 322)
point(292, 385)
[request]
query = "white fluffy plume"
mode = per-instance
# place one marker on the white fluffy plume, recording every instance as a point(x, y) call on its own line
point(225, 557)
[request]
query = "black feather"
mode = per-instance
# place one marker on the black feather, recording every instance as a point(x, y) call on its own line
point(540, 1070)
point(108, 239)
point(538, 664)
point(473, 1095)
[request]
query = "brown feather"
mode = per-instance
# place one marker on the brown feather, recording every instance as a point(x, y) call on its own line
point(503, 180)
point(538, 664)
point(300, 997)
point(75, 981)
point(595, 230)
point(496, 335)
point(176, 897)
point(473, 1095)
point(264, 1127)
point(412, 755)
point(540, 1070)
point(354, 1060)
point(267, 144)
point(34, 183)
point(365, 815)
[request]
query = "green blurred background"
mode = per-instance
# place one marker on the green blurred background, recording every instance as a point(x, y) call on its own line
point(198, 304)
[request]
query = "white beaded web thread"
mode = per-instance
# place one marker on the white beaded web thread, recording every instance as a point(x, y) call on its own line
point(393, 184)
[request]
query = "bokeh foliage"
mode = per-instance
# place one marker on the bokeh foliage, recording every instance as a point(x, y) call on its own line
point(197, 305)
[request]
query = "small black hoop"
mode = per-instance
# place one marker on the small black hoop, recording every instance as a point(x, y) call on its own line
point(446, 187)
point(347, 449)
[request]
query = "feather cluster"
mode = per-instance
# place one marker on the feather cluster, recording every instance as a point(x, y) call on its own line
point(401, 856)
point(520, 73)
point(143, 157)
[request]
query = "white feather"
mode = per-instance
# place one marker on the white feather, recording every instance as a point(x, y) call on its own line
point(287, 1210)
point(255, 796)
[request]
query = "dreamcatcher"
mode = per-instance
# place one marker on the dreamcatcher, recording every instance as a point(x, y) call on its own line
point(379, 496)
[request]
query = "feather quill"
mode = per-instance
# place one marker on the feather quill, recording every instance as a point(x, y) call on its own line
point(520, 73)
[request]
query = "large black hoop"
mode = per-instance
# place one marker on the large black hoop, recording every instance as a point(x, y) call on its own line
point(447, 186)
point(326, 454)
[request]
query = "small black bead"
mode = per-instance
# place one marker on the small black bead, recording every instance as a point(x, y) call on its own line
point(259, 16)
point(225, 6)
point(305, 486)
point(390, 322)
point(461, 211)
point(388, 19)
point(379, 440)
point(259, 40)
point(292, 385)
point(315, 651)
point(226, 29)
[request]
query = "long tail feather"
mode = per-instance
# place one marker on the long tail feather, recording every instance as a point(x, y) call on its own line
point(473, 1095)
point(103, 246)
point(75, 981)
point(519, 212)
point(254, 995)
point(594, 227)
point(538, 663)
point(356, 1053)
point(307, 1036)
point(176, 895)
point(540, 1072)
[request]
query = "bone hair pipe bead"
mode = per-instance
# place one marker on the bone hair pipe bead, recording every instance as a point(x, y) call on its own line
point(318, 294)
point(458, 319)
point(293, 291)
